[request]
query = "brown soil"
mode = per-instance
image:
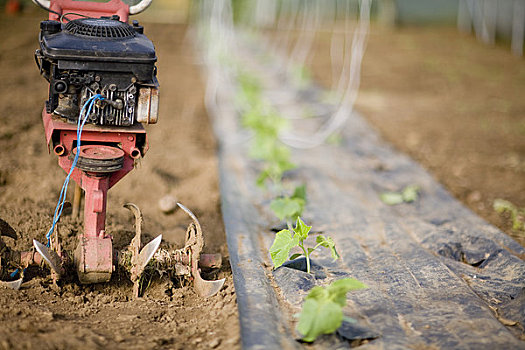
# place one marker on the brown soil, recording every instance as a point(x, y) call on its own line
point(451, 103)
point(181, 162)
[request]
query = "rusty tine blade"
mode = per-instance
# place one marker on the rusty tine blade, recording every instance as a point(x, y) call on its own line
point(195, 242)
point(206, 288)
point(136, 241)
point(49, 256)
point(12, 284)
point(147, 253)
point(7, 230)
point(193, 217)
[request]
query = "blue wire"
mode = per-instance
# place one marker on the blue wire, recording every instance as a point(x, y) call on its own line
point(62, 197)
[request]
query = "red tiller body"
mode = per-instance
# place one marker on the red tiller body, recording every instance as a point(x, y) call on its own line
point(94, 253)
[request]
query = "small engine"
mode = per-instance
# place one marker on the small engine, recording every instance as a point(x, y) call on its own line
point(89, 56)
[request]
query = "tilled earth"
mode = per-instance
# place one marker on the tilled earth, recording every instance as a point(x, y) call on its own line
point(181, 162)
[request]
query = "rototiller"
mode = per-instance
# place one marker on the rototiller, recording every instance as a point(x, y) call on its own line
point(102, 88)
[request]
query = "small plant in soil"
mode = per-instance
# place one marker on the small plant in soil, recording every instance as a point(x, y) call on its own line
point(300, 75)
point(266, 125)
point(408, 195)
point(322, 311)
point(286, 240)
point(517, 215)
point(289, 208)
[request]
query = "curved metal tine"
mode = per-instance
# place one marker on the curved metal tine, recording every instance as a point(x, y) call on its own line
point(49, 256)
point(12, 284)
point(194, 236)
point(7, 230)
point(206, 288)
point(147, 253)
point(136, 241)
point(193, 217)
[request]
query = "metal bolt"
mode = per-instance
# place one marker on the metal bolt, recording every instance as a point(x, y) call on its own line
point(97, 78)
point(131, 138)
point(119, 104)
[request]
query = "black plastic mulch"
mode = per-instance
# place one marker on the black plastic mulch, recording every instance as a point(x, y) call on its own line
point(439, 276)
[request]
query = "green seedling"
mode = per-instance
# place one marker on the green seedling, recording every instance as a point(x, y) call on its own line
point(517, 215)
point(276, 159)
point(335, 139)
point(263, 121)
point(300, 75)
point(250, 89)
point(290, 208)
point(322, 311)
point(409, 194)
point(267, 125)
point(286, 240)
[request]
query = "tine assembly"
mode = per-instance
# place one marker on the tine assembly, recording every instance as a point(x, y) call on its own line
point(140, 258)
point(50, 257)
point(7, 230)
point(181, 262)
point(12, 284)
point(5, 252)
point(135, 259)
point(195, 243)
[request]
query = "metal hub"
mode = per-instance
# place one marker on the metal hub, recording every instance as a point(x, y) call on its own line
point(99, 158)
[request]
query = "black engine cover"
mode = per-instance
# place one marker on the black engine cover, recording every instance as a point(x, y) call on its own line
point(87, 56)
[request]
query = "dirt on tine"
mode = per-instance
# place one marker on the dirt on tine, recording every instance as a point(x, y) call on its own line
point(180, 162)
point(453, 104)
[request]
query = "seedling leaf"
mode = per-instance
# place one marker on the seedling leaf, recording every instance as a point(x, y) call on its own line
point(285, 208)
point(391, 198)
point(501, 206)
point(322, 311)
point(329, 243)
point(338, 289)
point(410, 193)
point(301, 229)
point(517, 215)
point(285, 240)
point(280, 249)
point(319, 318)
point(300, 193)
point(262, 178)
point(335, 139)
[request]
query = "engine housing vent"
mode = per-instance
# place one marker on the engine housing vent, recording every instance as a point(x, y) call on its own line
point(99, 28)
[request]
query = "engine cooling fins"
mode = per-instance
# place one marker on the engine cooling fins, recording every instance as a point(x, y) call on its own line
point(99, 28)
